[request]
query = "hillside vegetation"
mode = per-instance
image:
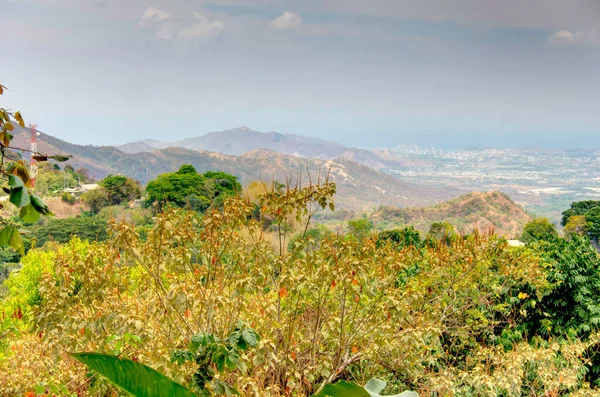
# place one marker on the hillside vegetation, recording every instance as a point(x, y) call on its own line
point(487, 212)
point(221, 303)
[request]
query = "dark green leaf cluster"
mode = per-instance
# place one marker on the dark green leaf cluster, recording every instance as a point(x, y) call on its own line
point(211, 353)
point(401, 238)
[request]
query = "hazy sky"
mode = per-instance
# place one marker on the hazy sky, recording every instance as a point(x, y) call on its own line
point(363, 72)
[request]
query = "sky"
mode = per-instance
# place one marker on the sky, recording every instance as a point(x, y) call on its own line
point(366, 73)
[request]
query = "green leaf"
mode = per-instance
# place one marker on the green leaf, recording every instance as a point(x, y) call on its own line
point(135, 378)
point(375, 386)
point(15, 182)
point(250, 337)
point(343, 389)
point(29, 214)
point(59, 158)
point(332, 207)
point(349, 389)
point(18, 194)
point(19, 197)
point(39, 205)
point(11, 236)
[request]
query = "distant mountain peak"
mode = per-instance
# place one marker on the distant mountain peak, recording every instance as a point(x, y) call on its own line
point(240, 140)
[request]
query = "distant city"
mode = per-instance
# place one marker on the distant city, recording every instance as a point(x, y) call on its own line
point(542, 180)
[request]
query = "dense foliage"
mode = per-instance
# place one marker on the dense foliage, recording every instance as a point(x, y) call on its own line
point(187, 188)
point(221, 302)
point(538, 229)
point(583, 218)
point(92, 228)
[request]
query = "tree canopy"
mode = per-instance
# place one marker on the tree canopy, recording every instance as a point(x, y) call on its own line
point(187, 188)
point(578, 208)
point(538, 229)
point(583, 218)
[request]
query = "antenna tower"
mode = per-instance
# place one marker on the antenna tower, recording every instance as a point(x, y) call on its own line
point(33, 165)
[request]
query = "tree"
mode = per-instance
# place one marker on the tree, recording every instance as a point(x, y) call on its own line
point(96, 199)
point(187, 188)
point(120, 189)
point(592, 218)
point(441, 232)
point(578, 208)
point(360, 228)
point(538, 229)
point(577, 225)
point(402, 238)
point(91, 228)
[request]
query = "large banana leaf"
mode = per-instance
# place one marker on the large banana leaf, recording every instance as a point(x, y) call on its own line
point(135, 378)
point(349, 389)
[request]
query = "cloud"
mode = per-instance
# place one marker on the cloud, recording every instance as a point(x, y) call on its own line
point(287, 21)
point(581, 37)
point(167, 26)
point(202, 27)
point(153, 14)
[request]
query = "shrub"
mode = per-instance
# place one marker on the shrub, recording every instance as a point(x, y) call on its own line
point(68, 198)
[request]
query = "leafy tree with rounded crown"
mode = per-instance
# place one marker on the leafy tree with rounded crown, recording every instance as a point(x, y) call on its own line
point(120, 189)
point(188, 188)
point(538, 229)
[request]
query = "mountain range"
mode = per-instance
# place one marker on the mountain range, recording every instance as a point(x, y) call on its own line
point(237, 141)
point(359, 187)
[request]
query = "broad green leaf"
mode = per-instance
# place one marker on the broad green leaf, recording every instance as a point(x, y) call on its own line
point(11, 236)
point(18, 193)
point(15, 182)
point(349, 389)
point(375, 386)
point(343, 389)
point(135, 378)
point(40, 206)
point(29, 214)
point(250, 337)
